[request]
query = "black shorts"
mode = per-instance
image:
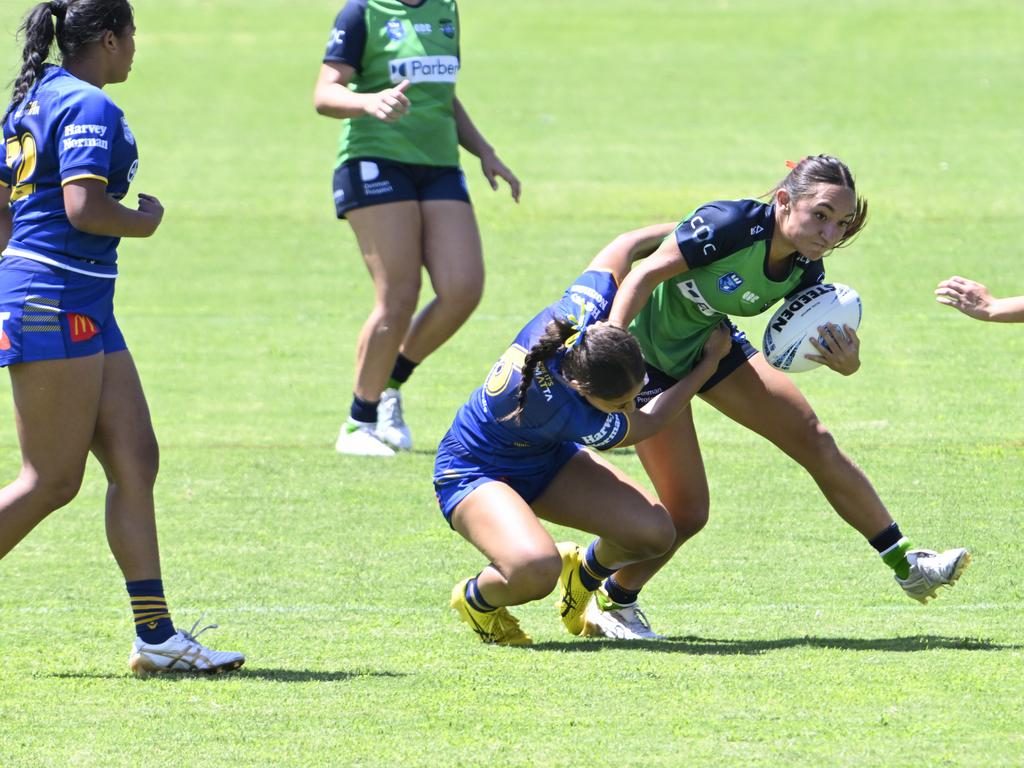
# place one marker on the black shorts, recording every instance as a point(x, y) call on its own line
point(658, 381)
point(366, 181)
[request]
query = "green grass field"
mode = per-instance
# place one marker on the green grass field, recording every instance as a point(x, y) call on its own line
point(789, 644)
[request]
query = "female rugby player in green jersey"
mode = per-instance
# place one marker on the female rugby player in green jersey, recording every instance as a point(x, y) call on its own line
point(389, 72)
point(69, 162)
point(740, 257)
point(974, 300)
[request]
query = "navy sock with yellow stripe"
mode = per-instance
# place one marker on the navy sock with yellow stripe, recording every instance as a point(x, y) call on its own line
point(152, 619)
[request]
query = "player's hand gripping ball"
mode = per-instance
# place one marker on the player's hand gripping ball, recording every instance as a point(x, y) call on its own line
point(787, 338)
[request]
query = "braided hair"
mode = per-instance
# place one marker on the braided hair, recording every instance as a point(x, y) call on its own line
point(606, 360)
point(72, 24)
point(825, 169)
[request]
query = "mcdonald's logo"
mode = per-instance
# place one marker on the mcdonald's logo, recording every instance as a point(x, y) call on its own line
point(82, 328)
point(5, 340)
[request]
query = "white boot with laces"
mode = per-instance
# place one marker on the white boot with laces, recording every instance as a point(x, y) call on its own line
point(181, 652)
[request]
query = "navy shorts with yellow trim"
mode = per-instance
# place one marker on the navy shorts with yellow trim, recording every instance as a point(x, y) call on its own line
point(457, 473)
point(362, 182)
point(658, 381)
point(47, 313)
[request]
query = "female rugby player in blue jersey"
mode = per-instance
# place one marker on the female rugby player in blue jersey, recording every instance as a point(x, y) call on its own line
point(515, 454)
point(740, 257)
point(389, 74)
point(69, 160)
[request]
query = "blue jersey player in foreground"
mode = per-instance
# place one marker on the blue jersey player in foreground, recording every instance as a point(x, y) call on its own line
point(516, 452)
point(69, 160)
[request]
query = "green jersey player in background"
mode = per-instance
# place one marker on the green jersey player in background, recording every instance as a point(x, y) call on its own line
point(739, 258)
point(389, 73)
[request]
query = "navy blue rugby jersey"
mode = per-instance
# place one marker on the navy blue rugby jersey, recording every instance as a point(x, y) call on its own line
point(64, 129)
point(554, 412)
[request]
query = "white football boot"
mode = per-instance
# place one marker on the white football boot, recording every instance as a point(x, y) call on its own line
point(391, 426)
point(356, 439)
point(605, 618)
point(181, 653)
point(930, 570)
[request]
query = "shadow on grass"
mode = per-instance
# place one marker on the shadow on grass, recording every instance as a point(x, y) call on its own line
point(707, 646)
point(245, 673)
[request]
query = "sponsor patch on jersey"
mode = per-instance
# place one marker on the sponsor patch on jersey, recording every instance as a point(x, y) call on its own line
point(447, 27)
point(690, 290)
point(395, 29)
point(750, 297)
point(128, 135)
point(423, 29)
point(757, 229)
point(729, 283)
point(425, 69)
point(337, 37)
point(133, 170)
point(607, 434)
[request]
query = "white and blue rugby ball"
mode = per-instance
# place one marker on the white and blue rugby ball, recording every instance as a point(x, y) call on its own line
point(787, 338)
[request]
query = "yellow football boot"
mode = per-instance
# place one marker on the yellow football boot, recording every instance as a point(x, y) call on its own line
point(498, 626)
point(573, 597)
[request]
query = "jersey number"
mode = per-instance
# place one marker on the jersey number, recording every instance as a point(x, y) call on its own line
point(21, 158)
point(497, 380)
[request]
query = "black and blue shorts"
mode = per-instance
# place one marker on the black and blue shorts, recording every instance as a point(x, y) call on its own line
point(658, 381)
point(362, 182)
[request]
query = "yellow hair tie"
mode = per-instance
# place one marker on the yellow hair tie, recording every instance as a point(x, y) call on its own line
point(579, 325)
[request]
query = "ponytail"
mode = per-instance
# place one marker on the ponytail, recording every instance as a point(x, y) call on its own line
point(39, 32)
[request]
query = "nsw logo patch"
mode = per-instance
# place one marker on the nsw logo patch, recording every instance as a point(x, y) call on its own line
point(395, 29)
point(729, 283)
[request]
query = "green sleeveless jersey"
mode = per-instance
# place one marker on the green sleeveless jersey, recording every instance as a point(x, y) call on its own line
point(726, 245)
point(387, 41)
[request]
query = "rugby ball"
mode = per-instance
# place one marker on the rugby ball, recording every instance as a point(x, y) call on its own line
point(787, 337)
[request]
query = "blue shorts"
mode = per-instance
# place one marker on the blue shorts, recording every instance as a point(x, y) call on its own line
point(658, 381)
point(360, 183)
point(48, 313)
point(457, 473)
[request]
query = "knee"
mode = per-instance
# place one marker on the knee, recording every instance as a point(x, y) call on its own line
point(136, 465)
point(397, 302)
point(533, 575)
point(461, 297)
point(688, 520)
point(655, 536)
point(53, 489)
point(817, 448)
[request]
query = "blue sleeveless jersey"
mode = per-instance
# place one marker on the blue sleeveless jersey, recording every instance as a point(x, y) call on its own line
point(64, 129)
point(554, 413)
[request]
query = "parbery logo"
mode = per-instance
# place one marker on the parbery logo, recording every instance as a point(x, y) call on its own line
point(425, 69)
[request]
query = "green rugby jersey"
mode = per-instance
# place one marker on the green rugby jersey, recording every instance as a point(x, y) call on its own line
point(726, 245)
point(387, 41)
